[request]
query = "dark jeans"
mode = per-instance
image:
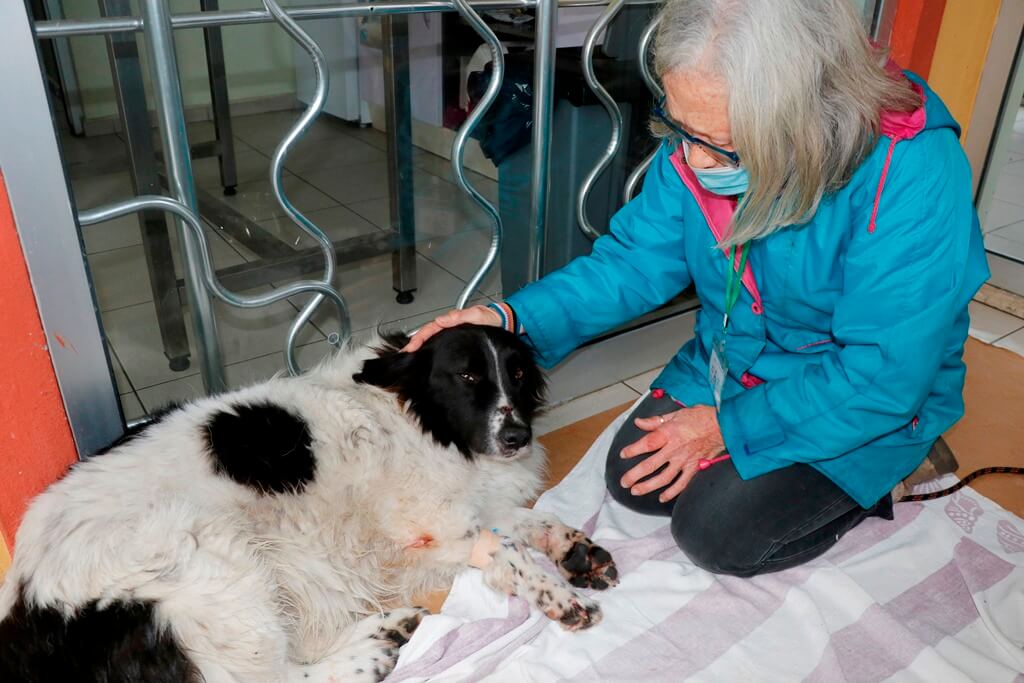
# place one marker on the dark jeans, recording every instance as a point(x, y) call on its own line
point(730, 526)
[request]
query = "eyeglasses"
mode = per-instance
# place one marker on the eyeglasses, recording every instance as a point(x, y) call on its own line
point(721, 156)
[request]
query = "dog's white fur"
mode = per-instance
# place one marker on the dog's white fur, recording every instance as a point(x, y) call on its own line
point(253, 585)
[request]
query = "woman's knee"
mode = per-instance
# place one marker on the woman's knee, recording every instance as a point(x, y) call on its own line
point(714, 548)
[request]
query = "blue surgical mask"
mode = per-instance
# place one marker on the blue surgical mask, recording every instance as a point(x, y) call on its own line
point(721, 180)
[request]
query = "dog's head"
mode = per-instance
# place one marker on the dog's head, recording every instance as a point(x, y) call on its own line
point(477, 388)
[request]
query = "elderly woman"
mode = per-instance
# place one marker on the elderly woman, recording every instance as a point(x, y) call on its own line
point(819, 201)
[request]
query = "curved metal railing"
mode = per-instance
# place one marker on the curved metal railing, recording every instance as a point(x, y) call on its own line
point(190, 219)
point(610, 106)
point(277, 187)
point(644, 49)
point(459, 145)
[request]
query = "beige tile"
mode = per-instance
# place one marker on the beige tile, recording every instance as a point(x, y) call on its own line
point(338, 222)
point(333, 152)
point(440, 209)
point(1001, 214)
point(121, 277)
point(120, 378)
point(114, 234)
point(131, 406)
point(1010, 188)
point(85, 150)
point(265, 131)
point(1013, 232)
point(442, 168)
point(367, 288)
point(462, 255)
point(256, 201)
point(370, 136)
point(409, 324)
point(1015, 168)
point(642, 382)
point(244, 334)
point(351, 183)
point(1014, 342)
point(238, 375)
point(1000, 245)
point(250, 166)
point(583, 407)
point(989, 324)
point(91, 191)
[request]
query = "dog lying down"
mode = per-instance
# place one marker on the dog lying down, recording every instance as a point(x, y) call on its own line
point(278, 532)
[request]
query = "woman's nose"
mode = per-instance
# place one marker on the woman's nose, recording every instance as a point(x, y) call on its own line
point(698, 158)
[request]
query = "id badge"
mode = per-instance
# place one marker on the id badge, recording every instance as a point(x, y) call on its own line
point(718, 368)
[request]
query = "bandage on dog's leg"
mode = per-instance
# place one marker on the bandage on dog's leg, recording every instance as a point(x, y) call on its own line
point(482, 554)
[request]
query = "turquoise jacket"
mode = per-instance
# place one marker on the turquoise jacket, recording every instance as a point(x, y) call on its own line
point(845, 348)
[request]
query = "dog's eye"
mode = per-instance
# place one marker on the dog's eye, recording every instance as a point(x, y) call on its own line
point(518, 374)
point(469, 378)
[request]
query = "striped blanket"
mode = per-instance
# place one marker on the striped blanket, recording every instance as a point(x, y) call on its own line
point(936, 595)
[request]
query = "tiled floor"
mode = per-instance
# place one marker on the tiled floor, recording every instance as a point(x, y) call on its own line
point(337, 177)
point(1004, 224)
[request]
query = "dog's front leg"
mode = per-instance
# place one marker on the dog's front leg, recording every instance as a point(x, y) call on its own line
point(581, 561)
point(508, 567)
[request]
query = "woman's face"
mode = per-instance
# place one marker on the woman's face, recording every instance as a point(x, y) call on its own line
point(699, 104)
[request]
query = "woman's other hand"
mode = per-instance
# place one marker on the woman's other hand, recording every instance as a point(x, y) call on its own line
point(475, 315)
point(678, 440)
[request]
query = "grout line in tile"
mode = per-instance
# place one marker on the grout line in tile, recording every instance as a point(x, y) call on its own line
point(999, 339)
point(117, 359)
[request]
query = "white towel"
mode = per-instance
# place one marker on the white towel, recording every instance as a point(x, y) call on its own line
point(935, 595)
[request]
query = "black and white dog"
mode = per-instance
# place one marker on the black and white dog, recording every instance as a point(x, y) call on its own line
point(264, 534)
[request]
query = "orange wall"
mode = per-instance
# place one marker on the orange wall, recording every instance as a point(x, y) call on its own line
point(36, 445)
point(961, 50)
point(915, 30)
point(947, 42)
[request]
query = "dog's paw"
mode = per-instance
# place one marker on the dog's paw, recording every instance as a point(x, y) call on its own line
point(587, 565)
point(398, 625)
point(575, 614)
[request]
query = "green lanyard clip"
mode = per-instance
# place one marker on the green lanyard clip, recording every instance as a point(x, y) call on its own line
point(734, 280)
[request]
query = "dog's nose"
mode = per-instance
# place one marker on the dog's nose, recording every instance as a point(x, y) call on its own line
point(514, 436)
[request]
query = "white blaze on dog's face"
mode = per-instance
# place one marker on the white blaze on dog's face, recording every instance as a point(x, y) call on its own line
point(508, 432)
point(477, 388)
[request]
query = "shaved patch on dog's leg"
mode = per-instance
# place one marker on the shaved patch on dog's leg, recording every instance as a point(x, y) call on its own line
point(482, 554)
point(513, 571)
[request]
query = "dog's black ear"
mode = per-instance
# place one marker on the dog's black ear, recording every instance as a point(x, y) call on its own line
point(391, 369)
point(393, 340)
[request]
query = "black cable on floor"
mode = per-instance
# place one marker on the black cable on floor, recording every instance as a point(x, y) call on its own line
point(962, 483)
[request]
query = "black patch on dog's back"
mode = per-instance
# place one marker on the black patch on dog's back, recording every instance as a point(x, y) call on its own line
point(262, 445)
point(120, 643)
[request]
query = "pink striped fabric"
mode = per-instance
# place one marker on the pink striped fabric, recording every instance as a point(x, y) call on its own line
point(941, 605)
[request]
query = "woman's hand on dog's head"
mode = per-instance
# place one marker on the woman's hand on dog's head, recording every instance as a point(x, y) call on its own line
point(475, 315)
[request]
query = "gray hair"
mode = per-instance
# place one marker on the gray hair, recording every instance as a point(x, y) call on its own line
point(806, 89)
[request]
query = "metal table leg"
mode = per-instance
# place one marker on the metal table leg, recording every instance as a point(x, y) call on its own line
point(156, 243)
point(219, 101)
point(398, 117)
point(163, 63)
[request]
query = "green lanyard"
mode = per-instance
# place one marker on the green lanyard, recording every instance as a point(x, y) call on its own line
point(733, 283)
